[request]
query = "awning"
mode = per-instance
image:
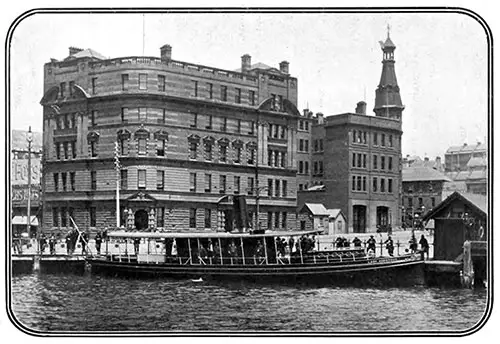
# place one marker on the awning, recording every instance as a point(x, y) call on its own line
point(23, 220)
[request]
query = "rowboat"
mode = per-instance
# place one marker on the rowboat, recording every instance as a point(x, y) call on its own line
point(273, 255)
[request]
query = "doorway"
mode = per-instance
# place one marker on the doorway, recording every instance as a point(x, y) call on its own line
point(141, 219)
point(382, 217)
point(359, 219)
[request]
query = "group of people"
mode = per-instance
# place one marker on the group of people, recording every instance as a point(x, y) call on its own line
point(371, 244)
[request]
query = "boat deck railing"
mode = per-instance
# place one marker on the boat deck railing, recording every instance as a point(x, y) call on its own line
point(307, 259)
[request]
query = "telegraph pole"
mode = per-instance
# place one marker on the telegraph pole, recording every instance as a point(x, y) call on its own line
point(29, 138)
point(257, 190)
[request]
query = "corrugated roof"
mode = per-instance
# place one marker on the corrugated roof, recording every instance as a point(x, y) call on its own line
point(422, 173)
point(317, 209)
point(19, 142)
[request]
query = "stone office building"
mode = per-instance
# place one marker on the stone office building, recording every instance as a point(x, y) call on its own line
point(187, 137)
point(356, 158)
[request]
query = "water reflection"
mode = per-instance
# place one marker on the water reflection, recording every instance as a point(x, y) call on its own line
point(97, 303)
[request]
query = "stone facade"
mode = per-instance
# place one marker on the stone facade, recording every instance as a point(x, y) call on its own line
point(185, 136)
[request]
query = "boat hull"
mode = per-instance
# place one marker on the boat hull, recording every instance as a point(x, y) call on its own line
point(404, 272)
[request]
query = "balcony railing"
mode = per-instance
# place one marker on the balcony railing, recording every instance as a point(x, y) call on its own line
point(65, 132)
point(172, 63)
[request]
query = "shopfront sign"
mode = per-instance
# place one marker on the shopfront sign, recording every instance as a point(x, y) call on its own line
point(20, 196)
point(19, 171)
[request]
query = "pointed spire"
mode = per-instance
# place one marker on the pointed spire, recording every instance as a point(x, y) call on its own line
point(388, 45)
point(387, 98)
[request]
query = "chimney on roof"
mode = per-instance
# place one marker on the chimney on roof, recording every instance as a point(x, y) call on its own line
point(284, 65)
point(166, 53)
point(465, 144)
point(246, 63)
point(305, 112)
point(73, 51)
point(361, 108)
point(320, 118)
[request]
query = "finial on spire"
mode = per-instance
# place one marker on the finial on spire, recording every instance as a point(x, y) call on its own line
point(388, 30)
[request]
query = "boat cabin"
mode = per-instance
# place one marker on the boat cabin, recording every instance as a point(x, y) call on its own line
point(226, 248)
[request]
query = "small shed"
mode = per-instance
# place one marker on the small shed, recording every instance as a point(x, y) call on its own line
point(314, 216)
point(337, 222)
point(460, 217)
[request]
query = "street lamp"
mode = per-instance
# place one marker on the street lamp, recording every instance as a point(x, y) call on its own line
point(29, 138)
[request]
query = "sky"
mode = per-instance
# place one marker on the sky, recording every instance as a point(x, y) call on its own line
point(441, 61)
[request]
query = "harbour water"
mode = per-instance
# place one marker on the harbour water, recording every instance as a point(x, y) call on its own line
point(88, 303)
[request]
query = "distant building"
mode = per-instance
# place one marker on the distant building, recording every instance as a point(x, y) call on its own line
point(313, 216)
point(187, 136)
point(316, 216)
point(422, 191)
point(356, 158)
point(467, 167)
point(415, 160)
point(456, 158)
point(19, 180)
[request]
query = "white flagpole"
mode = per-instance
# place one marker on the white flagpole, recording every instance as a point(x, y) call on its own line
point(117, 166)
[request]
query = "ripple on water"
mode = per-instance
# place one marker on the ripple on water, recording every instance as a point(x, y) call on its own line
point(96, 303)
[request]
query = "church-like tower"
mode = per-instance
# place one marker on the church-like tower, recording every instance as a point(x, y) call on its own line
point(387, 98)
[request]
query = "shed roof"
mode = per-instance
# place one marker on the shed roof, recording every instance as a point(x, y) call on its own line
point(334, 213)
point(316, 209)
point(475, 201)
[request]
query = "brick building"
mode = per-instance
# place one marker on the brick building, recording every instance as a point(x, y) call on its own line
point(187, 136)
point(304, 149)
point(357, 158)
point(423, 190)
